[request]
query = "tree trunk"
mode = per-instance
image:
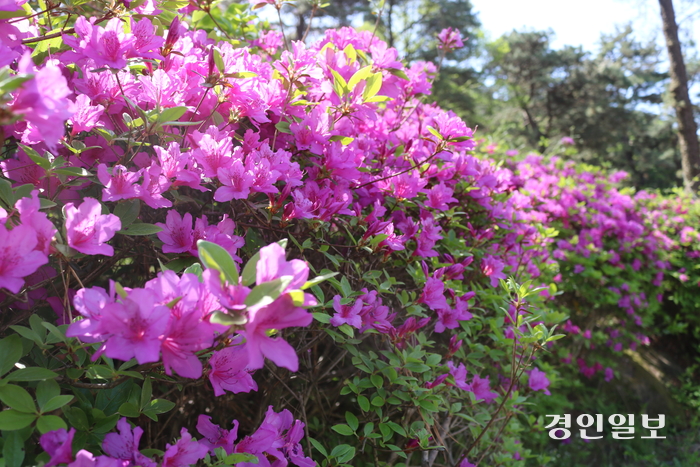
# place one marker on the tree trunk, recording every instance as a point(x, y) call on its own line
point(687, 128)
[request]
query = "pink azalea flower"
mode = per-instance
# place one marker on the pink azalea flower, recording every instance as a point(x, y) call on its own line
point(229, 371)
point(439, 196)
point(609, 374)
point(18, 256)
point(153, 186)
point(86, 116)
point(87, 229)
point(42, 102)
point(539, 381)
point(186, 334)
point(237, 181)
point(121, 184)
point(450, 39)
point(434, 294)
point(567, 140)
point(449, 318)
point(147, 42)
point(107, 46)
point(280, 314)
point(460, 375)
point(493, 268)
point(347, 314)
point(273, 265)
point(58, 444)
point(429, 236)
point(185, 452)
point(136, 324)
point(215, 152)
point(125, 445)
point(31, 216)
point(90, 303)
point(482, 389)
point(85, 458)
point(215, 436)
point(177, 235)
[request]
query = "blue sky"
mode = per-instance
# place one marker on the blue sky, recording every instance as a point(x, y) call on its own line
point(578, 22)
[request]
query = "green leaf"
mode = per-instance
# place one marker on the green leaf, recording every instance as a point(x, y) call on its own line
point(377, 381)
point(343, 429)
point(72, 172)
point(10, 352)
point(45, 391)
point(238, 457)
point(46, 203)
point(77, 418)
point(141, 229)
point(215, 257)
point(250, 270)
point(318, 280)
point(374, 84)
point(343, 453)
point(171, 114)
point(13, 449)
point(23, 191)
point(352, 420)
point(146, 392)
point(56, 403)
point(36, 158)
point(319, 447)
point(218, 60)
point(106, 424)
point(48, 423)
point(58, 335)
point(161, 405)
point(15, 420)
point(340, 86)
point(227, 319)
point(179, 264)
point(435, 133)
point(267, 292)
point(322, 317)
point(363, 402)
point(397, 428)
point(6, 193)
point(195, 269)
point(398, 72)
point(17, 398)
point(130, 410)
point(378, 99)
point(31, 374)
point(361, 74)
point(283, 127)
point(127, 211)
point(28, 334)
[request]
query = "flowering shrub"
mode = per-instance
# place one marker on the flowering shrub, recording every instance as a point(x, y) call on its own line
point(163, 160)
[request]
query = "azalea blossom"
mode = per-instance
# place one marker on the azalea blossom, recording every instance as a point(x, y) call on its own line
point(87, 229)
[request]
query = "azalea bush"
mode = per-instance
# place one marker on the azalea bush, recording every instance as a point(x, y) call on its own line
point(626, 277)
point(220, 246)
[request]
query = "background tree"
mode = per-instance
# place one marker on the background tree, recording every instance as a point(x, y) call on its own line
point(610, 102)
point(687, 127)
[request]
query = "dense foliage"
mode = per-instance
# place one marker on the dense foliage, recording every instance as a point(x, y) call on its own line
point(161, 163)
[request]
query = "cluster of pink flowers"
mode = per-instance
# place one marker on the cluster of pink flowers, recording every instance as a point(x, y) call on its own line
point(26, 244)
point(169, 320)
point(276, 439)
